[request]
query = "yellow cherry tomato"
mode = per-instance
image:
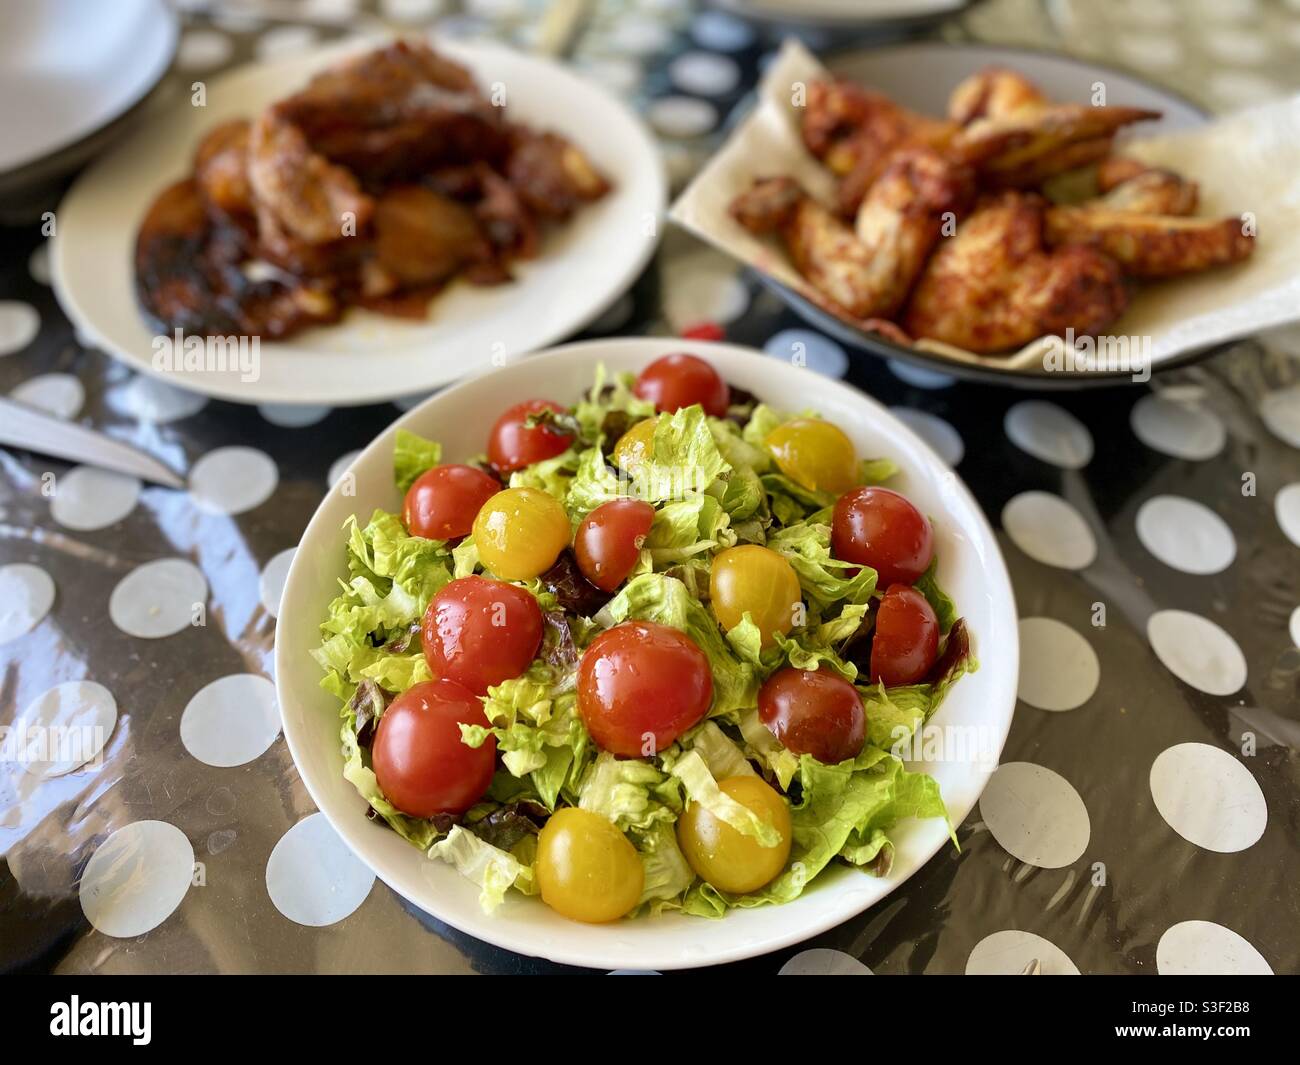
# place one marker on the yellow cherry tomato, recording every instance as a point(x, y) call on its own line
point(727, 859)
point(758, 581)
point(586, 868)
point(815, 454)
point(520, 532)
point(635, 446)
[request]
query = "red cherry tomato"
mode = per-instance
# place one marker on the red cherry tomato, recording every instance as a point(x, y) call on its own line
point(640, 686)
point(512, 446)
point(422, 766)
point(479, 632)
point(704, 331)
point(906, 640)
point(608, 542)
point(677, 381)
point(443, 501)
point(815, 712)
point(879, 528)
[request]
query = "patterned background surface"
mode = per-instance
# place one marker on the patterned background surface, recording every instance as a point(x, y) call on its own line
point(1145, 817)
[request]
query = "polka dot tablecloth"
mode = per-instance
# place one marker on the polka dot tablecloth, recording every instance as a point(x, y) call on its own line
point(1143, 817)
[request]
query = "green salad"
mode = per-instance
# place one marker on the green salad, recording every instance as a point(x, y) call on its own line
point(651, 652)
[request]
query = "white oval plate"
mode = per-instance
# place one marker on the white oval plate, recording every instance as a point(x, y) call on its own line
point(70, 67)
point(584, 264)
point(970, 567)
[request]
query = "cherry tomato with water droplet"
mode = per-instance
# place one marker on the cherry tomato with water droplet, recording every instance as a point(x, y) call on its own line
point(443, 502)
point(814, 711)
point(480, 632)
point(676, 381)
point(640, 686)
point(512, 445)
point(905, 644)
point(421, 764)
point(609, 539)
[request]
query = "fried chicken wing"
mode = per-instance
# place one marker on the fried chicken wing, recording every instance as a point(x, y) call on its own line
point(869, 269)
point(838, 114)
point(1151, 246)
point(1150, 191)
point(855, 132)
point(1023, 148)
point(1116, 169)
point(992, 287)
point(768, 204)
point(993, 92)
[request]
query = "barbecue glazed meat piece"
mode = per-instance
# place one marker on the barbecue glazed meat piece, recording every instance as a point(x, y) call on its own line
point(993, 92)
point(189, 276)
point(993, 287)
point(869, 269)
point(1151, 246)
point(422, 238)
point(394, 114)
point(552, 177)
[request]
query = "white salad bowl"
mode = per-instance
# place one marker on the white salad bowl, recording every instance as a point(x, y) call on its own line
point(974, 718)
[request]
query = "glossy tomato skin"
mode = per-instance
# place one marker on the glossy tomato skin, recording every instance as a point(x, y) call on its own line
point(758, 581)
point(442, 502)
point(421, 764)
point(512, 446)
point(479, 632)
point(880, 528)
point(814, 453)
point(640, 686)
point(906, 641)
point(676, 381)
point(586, 868)
point(814, 711)
point(635, 446)
point(608, 541)
point(730, 860)
point(520, 532)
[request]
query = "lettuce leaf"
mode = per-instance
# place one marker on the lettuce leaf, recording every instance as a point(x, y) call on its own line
point(538, 730)
point(412, 456)
point(688, 527)
point(631, 792)
point(684, 458)
point(608, 395)
point(928, 585)
point(495, 871)
point(825, 581)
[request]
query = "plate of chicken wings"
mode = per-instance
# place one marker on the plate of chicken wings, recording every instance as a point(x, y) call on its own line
point(978, 210)
point(364, 222)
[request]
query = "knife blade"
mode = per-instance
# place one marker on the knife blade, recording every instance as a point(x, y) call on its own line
point(31, 429)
